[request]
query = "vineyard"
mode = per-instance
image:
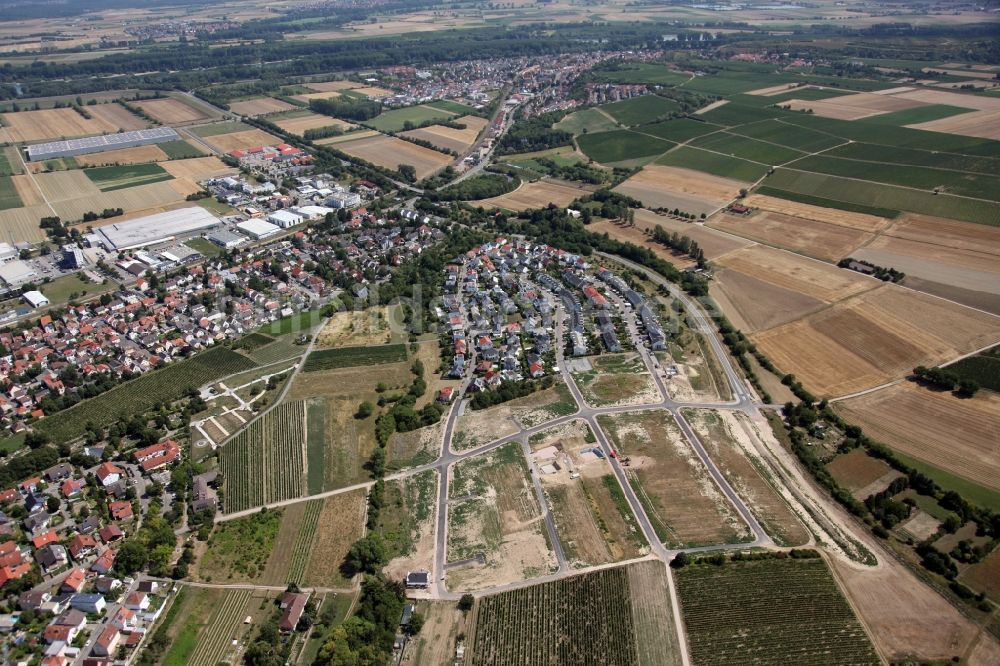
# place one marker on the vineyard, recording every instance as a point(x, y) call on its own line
point(264, 463)
point(142, 394)
point(580, 620)
point(303, 542)
point(215, 641)
point(349, 357)
point(775, 611)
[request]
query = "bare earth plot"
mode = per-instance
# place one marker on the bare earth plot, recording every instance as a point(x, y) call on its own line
point(254, 138)
point(843, 218)
point(672, 187)
point(299, 125)
point(957, 435)
point(356, 328)
point(984, 122)
point(47, 124)
point(861, 474)
point(816, 239)
point(136, 155)
point(536, 195)
point(853, 107)
point(728, 438)
point(197, 168)
point(877, 336)
point(259, 106)
point(476, 427)
point(591, 517)
point(683, 503)
point(171, 111)
point(617, 380)
point(496, 534)
point(450, 138)
point(390, 152)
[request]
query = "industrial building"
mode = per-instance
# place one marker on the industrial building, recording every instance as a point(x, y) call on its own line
point(35, 299)
point(15, 273)
point(7, 253)
point(153, 229)
point(227, 240)
point(258, 229)
point(285, 218)
point(100, 144)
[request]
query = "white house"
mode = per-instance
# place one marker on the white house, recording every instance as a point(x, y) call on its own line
point(35, 298)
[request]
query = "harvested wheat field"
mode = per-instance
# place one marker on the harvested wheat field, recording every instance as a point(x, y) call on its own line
point(752, 304)
point(450, 138)
point(878, 336)
point(171, 111)
point(254, 138)
point(538, 194)
point(776, 90)
point(49, 124)
point(136, 155)
point(981, 124)
point(300, 124)
point(714, 244)
point(372, 91)
point(27, 190)
point(21, 224)
point(306, 97)
point(259, 106)
point(63, 185)
point(198, 168)
point(954, 434)
point(842, 218)
point(963, 100)
point(140, 198)
point(118, 116)
point(815, 239)
point(352, 136)
point(331, 86)
point(672, 187)
point(853, 107)
point(627, 234)
point(390, 152)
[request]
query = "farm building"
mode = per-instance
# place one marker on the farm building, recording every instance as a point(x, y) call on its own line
point(153, 229)
point(258, 229)
point(100, 144)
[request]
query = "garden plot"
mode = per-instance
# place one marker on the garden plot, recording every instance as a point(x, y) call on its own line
point(171, 111)
point(496, 534)
point(260, 106)
point(682, 502)
point(477, 427)
point(731, 440)
point(390, 152)
point(617, 380)
point(861, 474)
point(690, 191)
point(537, 194)
point(592, 517)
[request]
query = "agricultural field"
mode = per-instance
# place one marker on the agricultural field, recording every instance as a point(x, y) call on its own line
point(260, 106)
point(853, 107)
point(587, 121)
point(769, 611)
point(713, 243)
point(54, 124)
point(642, 72)
point(954, 434)
point(715, 164)
point(251, 138)
point(861, 474)
point(827, 242)
point(390, 152)
point(449, 138)
point(109, 179)
point(672, 187)
point(298, 124)
point(171, 111)
point(538, 194)
point(592, 517)
point(878, 336)
point(136, 155)
point(627, 607)
point(265, 462)
point(983, 368)
point(238, 550)
point(141, 394)
point(496, 533)
point(730, 439)
point(640, 110)
point(360, 328)
point(9, 197)
point(617, 380)
point(206, 639)
point(396, 120)
point(682, 502)
point(679, 130)
point(349, 357)
point(622, 147)
point(198, 168)
point(181, 149)
point(746, 148)
point(341, 522)
point(215, 129)
point(477, 427)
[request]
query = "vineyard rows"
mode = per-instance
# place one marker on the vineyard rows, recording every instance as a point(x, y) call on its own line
point(303, 542)
point(215, 640)
point(143, 393)
point(264, 463)
point(580, 620)
point(769, 611)
point(348, 357)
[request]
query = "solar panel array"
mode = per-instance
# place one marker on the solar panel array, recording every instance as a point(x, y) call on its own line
point(100, 144)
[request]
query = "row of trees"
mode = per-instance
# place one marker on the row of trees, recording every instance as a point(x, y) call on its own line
point(947, 380)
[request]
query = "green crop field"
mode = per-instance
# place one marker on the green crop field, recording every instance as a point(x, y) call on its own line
point(750, 149)
point(396, 119)
point(315, 444)
point(769, 612)
point(8, 194)
point(789, 135)
point(680, 130)
point(214, 129)
point(827, 203)
point(922, 178)
point(140, 395)
point(216, 642)
point(642, 72)
point(451, 107)
point(884, 196)
point(888, 135)
point(586, 121)
point(302, 548)
point(620, 145)
point(5, 167)
point(109, 179)
point(579, 620)
point(738, 114)
point(983, 368)
point(914, 157)
point(713, 163)
point(264, 463)
point(252, 341)
point(809, 94)
point(180, 150)
point(640, 110)
point(729, 83)
point(349, 357)
point(296, 323)
point(920, 114)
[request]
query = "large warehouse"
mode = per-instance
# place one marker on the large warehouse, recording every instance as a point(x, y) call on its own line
point(153, 229)
point(100, 144)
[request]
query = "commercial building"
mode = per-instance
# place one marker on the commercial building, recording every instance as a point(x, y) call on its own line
point(35, 299)
point(15, 273)
point(227, 240)
point(153, 229)
point(285, 218)
point(258, 229)
point(7, 252)
point(100, 144)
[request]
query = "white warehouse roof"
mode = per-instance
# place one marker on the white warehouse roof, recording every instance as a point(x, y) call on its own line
point(97, 144)
point(155, 228)
point(258, 228)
